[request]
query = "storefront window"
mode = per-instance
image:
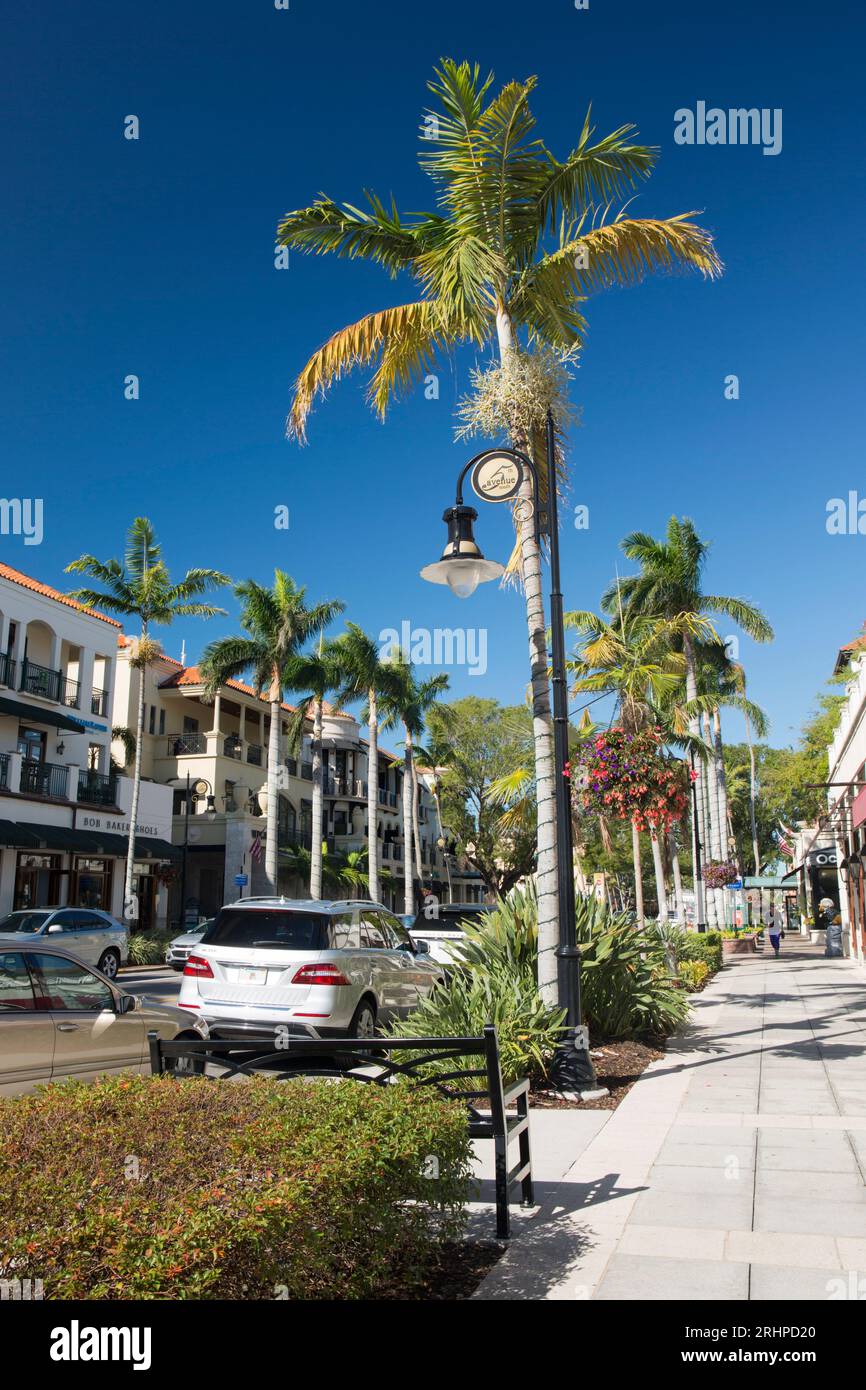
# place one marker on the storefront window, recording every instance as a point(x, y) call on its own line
point(37, 881)
point(92, 883)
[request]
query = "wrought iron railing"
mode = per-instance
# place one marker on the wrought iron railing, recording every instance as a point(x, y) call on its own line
point(254, 754)
point(7, 670)
point(4, 770)
point(43, 779)
point(51, 685)
point(97, 788)
point(181, 744)
point(99, 702)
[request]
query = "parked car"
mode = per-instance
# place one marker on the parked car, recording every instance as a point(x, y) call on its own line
point(93, 936)
point(443, 926)
point(61, 1019)
point(178, 950)
point(324, 969)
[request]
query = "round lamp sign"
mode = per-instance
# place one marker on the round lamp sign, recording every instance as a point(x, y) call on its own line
point(497, 476)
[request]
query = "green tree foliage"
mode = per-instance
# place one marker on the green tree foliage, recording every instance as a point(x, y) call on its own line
point(481, 743)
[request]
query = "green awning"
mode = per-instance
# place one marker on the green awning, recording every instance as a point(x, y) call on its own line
point(766, 881)
point(31, 835)
point(37, 714)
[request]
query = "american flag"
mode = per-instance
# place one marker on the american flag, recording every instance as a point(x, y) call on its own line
point(256, 846)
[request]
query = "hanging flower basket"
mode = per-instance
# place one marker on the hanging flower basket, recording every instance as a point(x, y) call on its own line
point(719, 872)
point(629, 777)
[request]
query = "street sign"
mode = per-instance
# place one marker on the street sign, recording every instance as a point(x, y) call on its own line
point(497, 476)
point(241, 880)
point(735, 886)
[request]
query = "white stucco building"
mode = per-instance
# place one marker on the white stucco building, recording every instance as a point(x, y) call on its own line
point(64, 809)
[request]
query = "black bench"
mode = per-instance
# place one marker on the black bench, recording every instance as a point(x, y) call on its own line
point(286, 1056)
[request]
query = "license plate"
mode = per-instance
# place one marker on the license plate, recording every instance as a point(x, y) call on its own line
point(252, 977)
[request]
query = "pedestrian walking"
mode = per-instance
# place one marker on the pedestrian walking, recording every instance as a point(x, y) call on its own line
point(774, 929)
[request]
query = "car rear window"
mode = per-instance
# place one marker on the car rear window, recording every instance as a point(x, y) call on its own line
point(269, 927)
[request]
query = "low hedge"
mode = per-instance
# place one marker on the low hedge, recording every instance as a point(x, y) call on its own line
point(706, 947)
point(693, 974)
point(146, 1187)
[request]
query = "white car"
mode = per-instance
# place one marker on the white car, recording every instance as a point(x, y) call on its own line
point(177, 951)
point(93, 936)
point(61, 1020)
point(324, 969)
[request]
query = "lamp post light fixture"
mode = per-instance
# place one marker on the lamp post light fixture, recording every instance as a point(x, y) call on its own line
point(497, 475)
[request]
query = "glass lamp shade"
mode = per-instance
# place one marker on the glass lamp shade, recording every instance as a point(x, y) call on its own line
point(462, 566)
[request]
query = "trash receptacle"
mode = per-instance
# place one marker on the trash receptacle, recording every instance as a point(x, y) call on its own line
point(834, 939)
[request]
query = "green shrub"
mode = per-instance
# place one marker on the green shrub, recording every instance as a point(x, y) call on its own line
point(146, 1187)
point(147, 949)
point(699, 947)
point(693, 974)
point(628, 988)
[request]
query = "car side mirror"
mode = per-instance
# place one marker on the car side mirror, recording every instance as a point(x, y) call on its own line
point(55, 926)
point(422, 947)
point(127, 1004)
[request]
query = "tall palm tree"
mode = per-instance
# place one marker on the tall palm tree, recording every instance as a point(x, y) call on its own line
point(669, 584)
point(140, 587)
point(632, 658)
point(518, 241)
point(366, 676)
point(320, 673)
point(407, 702)
point(276, 624)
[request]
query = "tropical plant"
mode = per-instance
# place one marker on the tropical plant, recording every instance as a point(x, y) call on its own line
point(669, 585)
point(693, 974)
point(519, 240)
point(276, 624)
point(140, 587)
point(366, 676)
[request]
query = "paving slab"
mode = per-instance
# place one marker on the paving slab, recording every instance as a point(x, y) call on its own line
point(659, 1279)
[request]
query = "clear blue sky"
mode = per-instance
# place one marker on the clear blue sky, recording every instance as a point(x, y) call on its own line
point(155, 257)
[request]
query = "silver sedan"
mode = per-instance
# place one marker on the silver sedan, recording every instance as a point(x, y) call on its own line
point(61, 1019)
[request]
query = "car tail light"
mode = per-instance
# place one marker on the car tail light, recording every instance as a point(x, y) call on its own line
point(198, 965)
point(320, 973)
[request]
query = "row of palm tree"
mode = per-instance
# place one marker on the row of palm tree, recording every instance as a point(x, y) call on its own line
point(282, 648)
point(657, 650)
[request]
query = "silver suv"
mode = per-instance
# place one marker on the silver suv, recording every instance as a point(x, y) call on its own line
point(326, 969)
point(93, 936)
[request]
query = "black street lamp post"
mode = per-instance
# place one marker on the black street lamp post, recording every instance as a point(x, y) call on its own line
point(497, 475)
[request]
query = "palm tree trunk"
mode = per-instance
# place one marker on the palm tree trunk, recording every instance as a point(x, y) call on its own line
point(408, 894)
point(318, 804)
point(722, 781)
point(373, 798)
point(752, 792)
point(638, 877)
point(130, 907)
point(661, 887)
point(416, 825)
point(707, 840)
point(272, 847)
point(678, 878)
point(542, 726)
point(698, 828)
point(715, 827)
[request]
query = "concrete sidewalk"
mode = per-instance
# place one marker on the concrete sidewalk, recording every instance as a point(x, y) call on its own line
point(734, 1169)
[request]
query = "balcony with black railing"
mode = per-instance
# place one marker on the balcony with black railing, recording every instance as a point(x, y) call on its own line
point(7, 670)
point(307, 771)
point(49, 684)
point(232, 747)
point(182, 745)
point(4, 771)
point(97, 788)
point(255, 754)
point(99, 702)
point(349, 787)
point(43, 779)
point(291, 766)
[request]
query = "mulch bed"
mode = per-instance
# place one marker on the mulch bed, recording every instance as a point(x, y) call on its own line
point(454, 1272)
point(617, 1066)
